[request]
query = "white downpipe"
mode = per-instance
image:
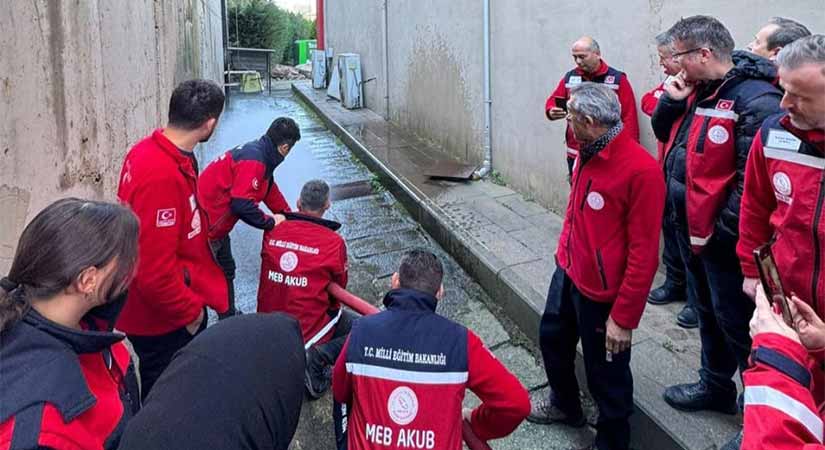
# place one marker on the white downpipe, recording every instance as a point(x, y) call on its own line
point(386, 61)
point(487, 166)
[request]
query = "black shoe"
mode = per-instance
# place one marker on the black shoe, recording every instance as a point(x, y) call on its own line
point(666, 293)
point(698, 397)
point(544, 412)
point(687, 318)
point(318, 374)
point(735, 443)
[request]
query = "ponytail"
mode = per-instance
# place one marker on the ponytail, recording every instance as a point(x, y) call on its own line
point(13, 303)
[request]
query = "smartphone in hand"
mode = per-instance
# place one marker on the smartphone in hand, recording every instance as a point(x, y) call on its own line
point(771, 282)
point(560, 102)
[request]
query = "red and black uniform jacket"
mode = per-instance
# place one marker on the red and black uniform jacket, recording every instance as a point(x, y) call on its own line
point(707, 139)
point(784, 202)
point(609, 243)
point(404, 372)
point(649, 101)
point(610, 77)
point(177, 274)
point(232, 186)
point(300, 257)
point(63, 388)
point(784, 396)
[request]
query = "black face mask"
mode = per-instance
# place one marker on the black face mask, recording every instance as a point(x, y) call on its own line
point(109, 311)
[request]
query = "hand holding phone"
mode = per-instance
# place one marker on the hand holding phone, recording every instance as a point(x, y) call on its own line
point(560, 103)
point(771, 283)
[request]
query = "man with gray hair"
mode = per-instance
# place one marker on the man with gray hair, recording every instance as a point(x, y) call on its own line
point(607, 255)
point(782, 203)
point(707, 119)
point(775, 35)
point(301, 256)
point(591, 67)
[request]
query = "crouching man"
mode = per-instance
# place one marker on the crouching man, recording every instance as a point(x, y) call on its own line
point(403, 372)
point(301, 257)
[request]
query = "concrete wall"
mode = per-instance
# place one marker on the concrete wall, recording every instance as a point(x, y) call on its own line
point(435, 80)
point(82, 81)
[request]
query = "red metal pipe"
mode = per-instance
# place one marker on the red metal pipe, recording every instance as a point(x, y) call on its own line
point(364, 308)
point(319, 24)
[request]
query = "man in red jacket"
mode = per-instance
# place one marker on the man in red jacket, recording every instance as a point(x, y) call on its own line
point(232, 186)
point(785, 385)
point(784, 197)
point(404, 371)
point(177, 275)
point(301, 257)
point(607, 256)
point(591, 67)
point(674, 287)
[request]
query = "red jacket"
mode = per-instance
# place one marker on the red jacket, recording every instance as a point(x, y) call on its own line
point(300, 257)
point(609, 243)
point(177, 274)
point(63, 389)
point(649, 102)
point(784, 200)
point(612, 78)
point(404, 372)
point(784, 393)
point(232, 186)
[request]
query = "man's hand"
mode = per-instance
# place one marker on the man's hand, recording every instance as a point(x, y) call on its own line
point(809, 327)
point(279, 218)
point(192, 328)
point(749, 287)
point(617, 339)
point(556, 113)
point(766, 320)
point(679, 89)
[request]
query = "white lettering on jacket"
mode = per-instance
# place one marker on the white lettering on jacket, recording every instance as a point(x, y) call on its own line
point(289, 280)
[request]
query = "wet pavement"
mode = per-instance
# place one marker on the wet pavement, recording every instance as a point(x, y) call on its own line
point(378, 230)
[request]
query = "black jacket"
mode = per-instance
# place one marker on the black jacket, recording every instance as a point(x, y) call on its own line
point(750, 83)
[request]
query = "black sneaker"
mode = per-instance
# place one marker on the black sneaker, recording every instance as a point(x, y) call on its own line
point(735, 443)
point(317, 376)
point(687, 317)
point(699, 397)
point(544, 412)
point(666, 293)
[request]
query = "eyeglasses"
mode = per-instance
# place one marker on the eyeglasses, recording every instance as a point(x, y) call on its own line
point(678, 56)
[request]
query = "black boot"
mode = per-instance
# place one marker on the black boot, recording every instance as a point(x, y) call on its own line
point(666, 293)
point(318, 374)
point(699, 396)
point(687, 318)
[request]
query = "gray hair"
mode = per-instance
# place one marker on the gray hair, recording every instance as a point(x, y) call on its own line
point(704, 31)
point(596, 101)
point(314, 195)
point(664, 39)
point(808, 50)
point(594, 46)
point(788, 31)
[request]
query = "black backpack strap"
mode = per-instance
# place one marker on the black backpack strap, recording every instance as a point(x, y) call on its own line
point(27, 428)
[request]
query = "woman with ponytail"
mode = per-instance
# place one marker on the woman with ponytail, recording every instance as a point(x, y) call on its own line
point(66, 381)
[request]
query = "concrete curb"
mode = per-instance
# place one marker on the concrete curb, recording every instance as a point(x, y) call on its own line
point(501, 282)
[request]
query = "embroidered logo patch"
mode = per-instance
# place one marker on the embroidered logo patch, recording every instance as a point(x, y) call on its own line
point(289, 261)
point(610, 79)
point(166, 218)
point(724, 105)
point(718, 134)
point(402, 405)
point(255, 184)
point(595, 201)
point(782, 187)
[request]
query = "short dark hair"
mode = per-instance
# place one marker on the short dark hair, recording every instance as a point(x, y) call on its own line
point(283, 130)
point(314, 195)
point(788, 31)
point(194, 102)
point(421, 270)
point(704, 31)
point(63, 240)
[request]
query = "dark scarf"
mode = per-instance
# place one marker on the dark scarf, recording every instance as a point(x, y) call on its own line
point(590, 150)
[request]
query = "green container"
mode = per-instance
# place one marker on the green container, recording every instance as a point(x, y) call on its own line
point(303, 50)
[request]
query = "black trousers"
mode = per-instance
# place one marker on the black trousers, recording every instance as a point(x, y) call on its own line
point(568, 317)
point(156, 352)
point(223, 254)
point(714, 281)
point(672, 256)
point(329, 352)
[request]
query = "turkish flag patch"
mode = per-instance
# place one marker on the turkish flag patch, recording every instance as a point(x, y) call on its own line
point(166, 217)
point(724, 105)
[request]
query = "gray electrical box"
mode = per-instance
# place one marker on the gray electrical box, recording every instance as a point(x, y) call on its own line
point(351, 85)
point(319, 69)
